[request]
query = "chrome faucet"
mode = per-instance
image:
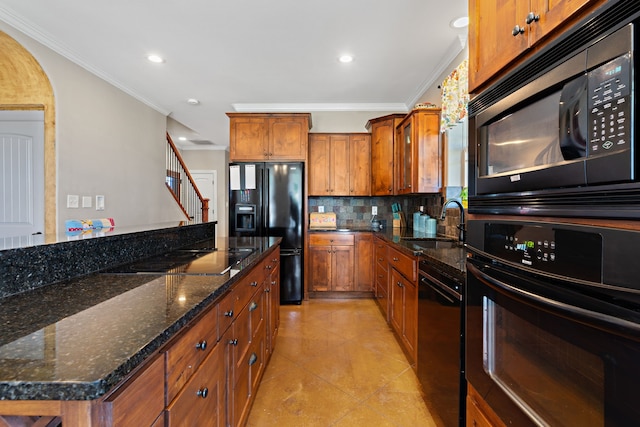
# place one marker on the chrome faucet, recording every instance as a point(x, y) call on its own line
point(461, 226)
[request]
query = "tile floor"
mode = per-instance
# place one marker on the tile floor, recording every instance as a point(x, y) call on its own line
point(337, 363)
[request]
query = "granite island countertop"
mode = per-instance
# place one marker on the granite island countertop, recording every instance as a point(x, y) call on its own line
point(76, 339)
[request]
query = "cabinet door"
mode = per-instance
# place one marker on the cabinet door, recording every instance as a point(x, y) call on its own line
point(359, 165)
point(410, 317)
point(288, 138)
point(403, 156)
point(339, 165)
point(552, 13)
point(272, 289)
point(342, 264)
point(320, 268)
point(318, 170)
point(490, 26)
point(202, 401)
point(248, 138)
point(395, 293)
point(426, 171)
point(382, 164)
point(364, 262)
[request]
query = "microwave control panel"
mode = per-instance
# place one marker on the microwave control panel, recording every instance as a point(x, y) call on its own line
point(609, 103)
point(547, 248)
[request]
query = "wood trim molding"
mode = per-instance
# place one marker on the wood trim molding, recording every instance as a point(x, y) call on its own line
point(25, 86)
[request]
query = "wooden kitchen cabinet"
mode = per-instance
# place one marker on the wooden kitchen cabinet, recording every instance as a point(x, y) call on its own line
point(138, 402)
point(331, 261)
point(383, 131)
point(339, 164)
point(381, 291)
point(479, 413)
point(268, 136)
point(272, 290)
point(202, 400)
point(403, 289)
point(533, 22)
point(364, 262)
point(418, 153)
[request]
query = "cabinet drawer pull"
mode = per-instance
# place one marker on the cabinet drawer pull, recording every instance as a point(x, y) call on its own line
point(267, 290)
point(395, 259)
point(202, 345)
point(253, 359)
point(253, 306)
point(233, 342)
point(228, 313)
point(273, 283)
point(274, 260)
point(254, 284)
point(203, 392)
point(399, 284)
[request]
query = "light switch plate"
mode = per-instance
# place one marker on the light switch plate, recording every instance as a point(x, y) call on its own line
point(86, 201)
point(374, 210)
point(73, 201)
point(99, 203)
point(321, 209)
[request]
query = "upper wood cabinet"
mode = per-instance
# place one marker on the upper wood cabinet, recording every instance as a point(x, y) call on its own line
point(503, 31)
point(417, 153)
point(268, 137)
point(382, 141)
point(339, 164)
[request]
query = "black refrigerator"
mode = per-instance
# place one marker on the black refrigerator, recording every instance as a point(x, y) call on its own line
point(267, 199)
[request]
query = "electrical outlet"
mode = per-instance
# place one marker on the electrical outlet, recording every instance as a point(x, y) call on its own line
point(374, 210)
point(321, 209)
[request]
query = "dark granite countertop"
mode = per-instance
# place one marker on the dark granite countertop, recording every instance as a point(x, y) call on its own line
point(76, 339)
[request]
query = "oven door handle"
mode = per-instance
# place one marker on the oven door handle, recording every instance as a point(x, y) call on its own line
point(599, 320)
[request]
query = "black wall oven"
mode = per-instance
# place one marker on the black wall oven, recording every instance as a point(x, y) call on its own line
point(553, 322)
point(558, 134)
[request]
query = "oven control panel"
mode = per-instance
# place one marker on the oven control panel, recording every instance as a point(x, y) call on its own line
point(547, 248)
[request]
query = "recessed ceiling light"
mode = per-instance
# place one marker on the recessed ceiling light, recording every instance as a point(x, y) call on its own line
point(155, 58)
point(182, 138)
point(345, 58)
point(461, 22)
point(193, 101)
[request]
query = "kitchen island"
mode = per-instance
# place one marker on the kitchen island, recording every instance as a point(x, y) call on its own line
point(69, 350)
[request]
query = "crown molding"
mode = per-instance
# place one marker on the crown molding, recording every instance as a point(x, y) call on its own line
point(26, 27)
point(454, 50)
point(317, 107)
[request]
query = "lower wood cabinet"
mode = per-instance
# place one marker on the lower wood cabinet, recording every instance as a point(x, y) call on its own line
point(341, 262)
point(396, 282)
point(479, 413)
point(201, 402)
point(331, 261)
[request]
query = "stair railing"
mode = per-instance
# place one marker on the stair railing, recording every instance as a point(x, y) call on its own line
point(183, 188)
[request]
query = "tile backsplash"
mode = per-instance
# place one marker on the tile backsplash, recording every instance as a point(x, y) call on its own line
point(356, 211)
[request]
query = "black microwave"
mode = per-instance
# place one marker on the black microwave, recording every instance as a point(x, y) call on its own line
point(557, 135)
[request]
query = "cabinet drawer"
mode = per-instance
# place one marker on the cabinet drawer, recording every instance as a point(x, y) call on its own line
point(331, 239)
point(381, 273)
point(140, 401)
point(185, 354)
point(406, 265)
point(380, 252)
point(201, 401)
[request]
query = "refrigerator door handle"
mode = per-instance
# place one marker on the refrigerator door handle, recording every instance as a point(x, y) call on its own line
point(265, 199)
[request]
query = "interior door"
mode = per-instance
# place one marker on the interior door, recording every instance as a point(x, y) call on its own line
point(206, 182)
point(21, 173)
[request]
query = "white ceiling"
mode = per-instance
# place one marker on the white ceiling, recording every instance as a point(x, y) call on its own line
point(251, 55)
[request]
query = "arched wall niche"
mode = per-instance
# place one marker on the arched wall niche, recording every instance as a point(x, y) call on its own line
point(25, 86)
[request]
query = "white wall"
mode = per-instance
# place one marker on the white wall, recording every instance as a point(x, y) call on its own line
point(217, 160)
point(344, 121)
point(107, 143)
